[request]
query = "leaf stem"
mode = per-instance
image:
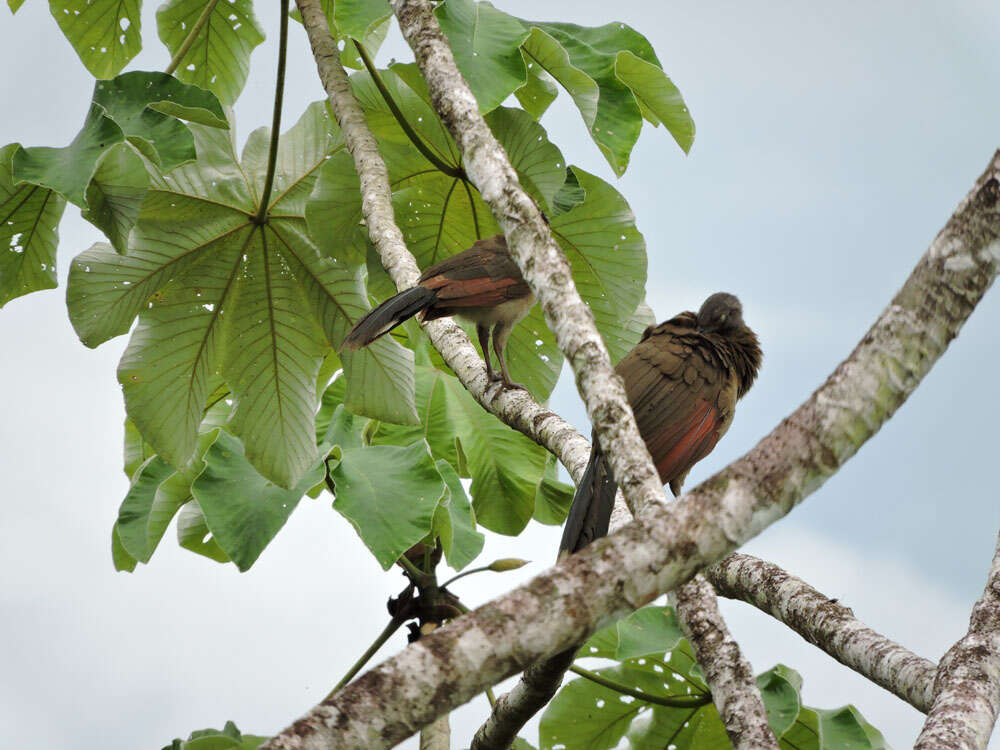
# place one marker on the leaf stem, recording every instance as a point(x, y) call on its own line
point(391, 628)
point(463, 574)
point(192, 35)
point(448, 169)
point(691, 701)
point(418, 576)
point(279, 95)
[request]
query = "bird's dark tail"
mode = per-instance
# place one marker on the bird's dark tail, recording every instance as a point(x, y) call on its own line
point(388, 315)
point(591, 510)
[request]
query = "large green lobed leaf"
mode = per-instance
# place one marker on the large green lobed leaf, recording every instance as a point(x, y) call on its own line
point(610, 71)
point(217, 292)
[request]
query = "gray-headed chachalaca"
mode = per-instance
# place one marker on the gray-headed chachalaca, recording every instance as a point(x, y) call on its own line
point(683, 380)
point(482, 284)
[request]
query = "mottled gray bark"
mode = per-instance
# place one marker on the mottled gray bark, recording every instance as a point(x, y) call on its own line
point(437, 734)
point(514, 406)
point(967, 686)
point(827, 624)
point(669, 543)
point(537, 254)
point(728, 674)
point(547, 271)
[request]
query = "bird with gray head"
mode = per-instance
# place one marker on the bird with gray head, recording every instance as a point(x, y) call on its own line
point(683, 380)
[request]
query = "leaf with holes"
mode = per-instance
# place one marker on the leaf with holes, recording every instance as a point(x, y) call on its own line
point(29, 220)
point(216, 291)
point(585, 714)
point(104, 33)
point(193, 534)
point(219, 57)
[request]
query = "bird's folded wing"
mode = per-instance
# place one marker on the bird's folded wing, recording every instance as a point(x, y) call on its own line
point(681, 401)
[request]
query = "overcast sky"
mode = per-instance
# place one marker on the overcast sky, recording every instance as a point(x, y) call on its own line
point(833, 142)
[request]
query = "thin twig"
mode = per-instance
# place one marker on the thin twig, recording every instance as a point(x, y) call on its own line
point(390, 628)
point(279, 95)
point(192, 35)
point(416, 140)
point(465, 573)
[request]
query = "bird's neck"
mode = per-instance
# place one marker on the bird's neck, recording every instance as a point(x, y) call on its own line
point(746, 357)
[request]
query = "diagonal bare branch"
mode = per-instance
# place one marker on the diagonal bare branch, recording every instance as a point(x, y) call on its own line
point(669, 543)
point(827, 624)
point(967, 686)
point(727, 672)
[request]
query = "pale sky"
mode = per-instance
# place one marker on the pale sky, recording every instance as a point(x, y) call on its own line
point(833, 142)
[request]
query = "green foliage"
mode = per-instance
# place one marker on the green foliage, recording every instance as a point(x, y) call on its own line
point(610, 71)
point(236, 309)
point(219, 57)
point(364, 20)
point(29, 216)
point(654, 659)
point(227, 738)
point(215, 291)
point(106, 34)
point(95, 171)
point(486, 43)
point(509, 472)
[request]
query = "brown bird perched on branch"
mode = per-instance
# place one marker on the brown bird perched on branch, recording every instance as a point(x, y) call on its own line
point(482, 284)
point(683, 380)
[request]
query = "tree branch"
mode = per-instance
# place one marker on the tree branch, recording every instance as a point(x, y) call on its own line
point(513, 406)
point(669, 543)
point(727, 672)
point(967, 687)
point(827, 624)
point(536, 253)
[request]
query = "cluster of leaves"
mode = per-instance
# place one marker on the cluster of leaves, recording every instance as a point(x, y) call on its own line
point(241, 306)
point(656, 667)
point(227, 738)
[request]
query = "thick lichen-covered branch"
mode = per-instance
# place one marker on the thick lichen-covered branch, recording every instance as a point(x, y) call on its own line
point(669, 543)
point(827, 624)
point(727, 672)
point(967, 685)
